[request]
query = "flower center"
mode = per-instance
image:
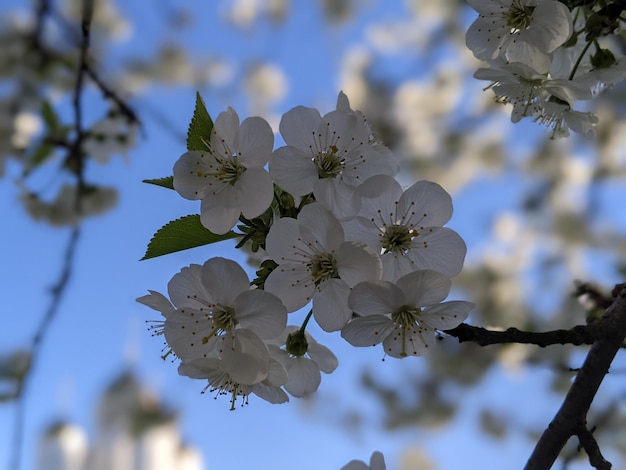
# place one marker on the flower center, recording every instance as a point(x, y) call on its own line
point(323, 267)
point(407, 320)
point(230, 170)
point(397, 239)
point(519, 17)
point(222, 384)
point(329, 164)
point(406, 316)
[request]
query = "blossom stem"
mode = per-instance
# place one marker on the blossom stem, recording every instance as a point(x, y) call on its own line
point(306, 320)
point(579, 60)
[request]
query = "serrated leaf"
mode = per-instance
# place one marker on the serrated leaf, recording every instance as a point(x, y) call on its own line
point(182, 234)
point(199, 132)
point(39, 156)
point(50, 117)
point(167, 182)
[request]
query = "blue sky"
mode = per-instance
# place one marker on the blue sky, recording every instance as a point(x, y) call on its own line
point(100, 329)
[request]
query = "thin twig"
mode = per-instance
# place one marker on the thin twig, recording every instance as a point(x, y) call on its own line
point(57, 292)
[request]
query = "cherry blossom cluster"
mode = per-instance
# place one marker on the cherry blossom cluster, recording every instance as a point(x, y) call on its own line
point(337, 235)
point(544, 56)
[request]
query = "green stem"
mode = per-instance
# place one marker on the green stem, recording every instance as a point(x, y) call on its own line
point(306, 320)
point(579, 60)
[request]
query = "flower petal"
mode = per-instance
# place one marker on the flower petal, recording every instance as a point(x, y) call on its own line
point(422, 288)
point(220, 212)
point(412, 343)
point(191, 174)
point(292, 285)
point(447, 315)
point(261, 312)
point(323, 356)
point(356, 262)
point(330, 305)
point(375, 298)
point(293, 170)
point(297, 126)
point(367, 331)
point(425, 204)
point(257, 192)
point(304, 377)
point(256, 141)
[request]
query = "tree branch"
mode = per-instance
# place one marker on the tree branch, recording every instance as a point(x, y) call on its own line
point(580, 334)
point(570, 420)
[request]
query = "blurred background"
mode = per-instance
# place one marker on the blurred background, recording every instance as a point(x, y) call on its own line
point(537, 215)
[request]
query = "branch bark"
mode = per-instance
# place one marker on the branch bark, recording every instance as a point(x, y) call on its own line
point(571, 418)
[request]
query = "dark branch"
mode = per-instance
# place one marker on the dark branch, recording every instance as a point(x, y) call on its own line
point(57, 292)
point(588, 442)
point(572, 416)
point(580, 334)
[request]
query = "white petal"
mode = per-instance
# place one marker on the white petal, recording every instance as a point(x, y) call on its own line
point(377, 461)
point(438, 248)
point(338, 197)
point(191, 174)
point(257, 192)
point(226, 127)
point(304, 377)
point(256, 141)
point(293, 170)
point(356, 262)
point(245, 357)
point(298, 125)
point(319, 228)
point(261, 312)
point(273, 395)
point(551, 25)
point(485, 38)
point(343, 104)
point(283, 235)
point(225, 279)
point(422, 288)
point(367, 331)
point(323, 356)
point(157, 301)
point(429, 203)
point(187, 338)
point(294, 287)
point(375, 298)
point(412, 343)
point(330, 305)
point(219, 212)
point(447, 315)
point(186, 284)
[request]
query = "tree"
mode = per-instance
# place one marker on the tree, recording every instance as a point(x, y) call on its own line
point(540, 274)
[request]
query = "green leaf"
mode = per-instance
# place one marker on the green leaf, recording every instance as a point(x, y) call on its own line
point(199, 133)
point(50, 117)
point(167, 182)
point(182, 234)
point(41, 153)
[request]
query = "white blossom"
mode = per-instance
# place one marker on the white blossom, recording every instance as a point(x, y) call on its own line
point(315, 263)
point(404, 315)
point(327, 156)
point(377, 462)
point(303, 361)
point(229, 177)
point(113, 135)
point(213, 308)
point(236, 373)
point(521, 30)
point(405, 227)
point(526, 89)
